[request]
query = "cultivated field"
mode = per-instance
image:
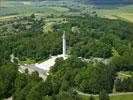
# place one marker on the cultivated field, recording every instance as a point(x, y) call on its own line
point(123, 13)
point(68, 8)
point(23, 10)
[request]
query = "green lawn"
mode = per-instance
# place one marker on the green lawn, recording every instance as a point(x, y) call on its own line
point(27, 61)
point(124, 74)
point(123, 97)
point(118, 97)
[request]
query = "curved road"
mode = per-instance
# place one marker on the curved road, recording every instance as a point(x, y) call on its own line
point(111, 94)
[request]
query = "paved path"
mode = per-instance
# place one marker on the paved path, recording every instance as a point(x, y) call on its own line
point(48, 63)
point(9, 98)
point(32, 68)
point(111, 94)
point(42, 68)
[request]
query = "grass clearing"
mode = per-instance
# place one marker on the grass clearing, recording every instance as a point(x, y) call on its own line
point(110, 17)
point(115, 53)
point(27, 61)
point(127, 16)
point(124, 74)
point(48, 27)
point(60, 9)
point(12, 16)
point(26, 3)
point(50, 22)
point(122, 97)
point(116, 97)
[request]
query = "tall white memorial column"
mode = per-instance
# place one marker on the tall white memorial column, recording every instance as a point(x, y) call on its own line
point(64, 46)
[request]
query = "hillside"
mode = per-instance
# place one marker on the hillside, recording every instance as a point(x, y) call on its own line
point(87, 38)
point(99, 49)
point(98, 3)
point(106, 1)
point(89, 1)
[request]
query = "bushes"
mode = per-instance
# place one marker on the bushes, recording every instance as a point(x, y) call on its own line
point(103, 95)
point(8, 74)
point(68, 96)
point(125, 85)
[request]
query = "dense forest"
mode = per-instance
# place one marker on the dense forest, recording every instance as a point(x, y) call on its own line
point(86, 37)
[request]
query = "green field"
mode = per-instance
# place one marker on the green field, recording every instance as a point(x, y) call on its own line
point(26, 7)
point(124, 13)
point(124, 74)
point(11, 8)
point(27, 61)
point(117, 97)
point(15, 8)
point(122, 97)
point(22, 10)
point(5, 4)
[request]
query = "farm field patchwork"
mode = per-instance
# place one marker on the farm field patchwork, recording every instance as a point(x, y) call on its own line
point(15, 8)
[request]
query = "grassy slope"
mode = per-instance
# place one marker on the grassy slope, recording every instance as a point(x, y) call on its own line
point(123, 13)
